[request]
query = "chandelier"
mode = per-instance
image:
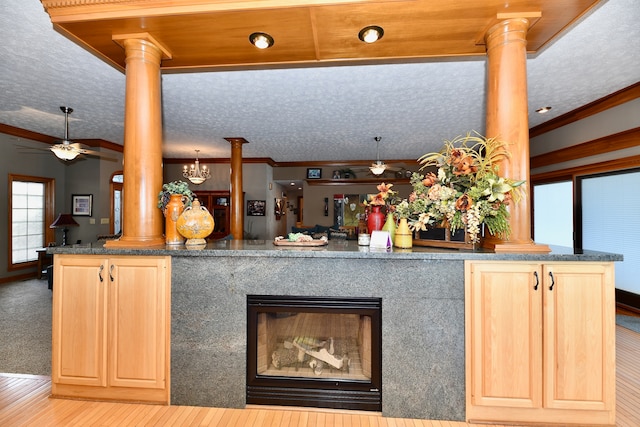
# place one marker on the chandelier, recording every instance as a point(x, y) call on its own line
point(194, 173)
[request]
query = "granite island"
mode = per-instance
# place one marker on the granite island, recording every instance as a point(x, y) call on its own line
point(423, 313)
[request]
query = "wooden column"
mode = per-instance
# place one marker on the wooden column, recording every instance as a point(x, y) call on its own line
point(237, 202)
point(507, 120)
point(142, 220)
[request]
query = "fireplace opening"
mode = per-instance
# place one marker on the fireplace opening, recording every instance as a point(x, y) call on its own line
point(314, 351)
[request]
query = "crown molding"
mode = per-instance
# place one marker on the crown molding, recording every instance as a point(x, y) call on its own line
point(617, 98)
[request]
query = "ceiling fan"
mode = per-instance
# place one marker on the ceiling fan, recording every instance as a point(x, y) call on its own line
point(67, 150)
point(379, 167)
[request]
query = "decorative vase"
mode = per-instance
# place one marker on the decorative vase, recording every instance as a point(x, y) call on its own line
point(375, 219)
point(195, 224)
point(390, 226)
point(403, 238)
point(171, 214)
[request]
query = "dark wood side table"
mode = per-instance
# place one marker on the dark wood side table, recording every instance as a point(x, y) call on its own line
point(44, 260)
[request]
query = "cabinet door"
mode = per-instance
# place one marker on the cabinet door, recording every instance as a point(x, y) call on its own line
point(504, 335)
point(139, 322)
point(79, 321)
point(579, 341)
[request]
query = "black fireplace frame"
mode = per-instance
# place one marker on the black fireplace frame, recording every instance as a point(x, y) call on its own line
point(315, 392)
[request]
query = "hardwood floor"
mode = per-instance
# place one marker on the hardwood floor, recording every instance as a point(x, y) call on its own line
point(24, 401)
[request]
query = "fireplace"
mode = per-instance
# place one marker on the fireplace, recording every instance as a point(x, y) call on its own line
point(314, 351)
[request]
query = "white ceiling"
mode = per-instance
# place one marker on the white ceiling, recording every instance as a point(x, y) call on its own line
point(322, 113)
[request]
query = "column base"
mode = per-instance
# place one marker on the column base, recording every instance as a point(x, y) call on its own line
point(506, 246)
point(131, 242)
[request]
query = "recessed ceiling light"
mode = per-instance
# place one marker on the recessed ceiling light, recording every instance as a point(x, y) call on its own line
point(371, 34)
point(543, 110)
point(261, 40)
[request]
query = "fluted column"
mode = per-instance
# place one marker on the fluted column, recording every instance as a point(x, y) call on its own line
point(142, 220)
point(237, 202)
point(507, 120)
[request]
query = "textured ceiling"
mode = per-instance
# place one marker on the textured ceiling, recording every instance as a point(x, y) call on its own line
point(319, 114)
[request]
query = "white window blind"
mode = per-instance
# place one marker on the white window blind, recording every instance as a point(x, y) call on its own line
point(611, 222)
point(553, 213)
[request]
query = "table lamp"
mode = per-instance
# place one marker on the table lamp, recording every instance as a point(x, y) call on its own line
point(64, 221)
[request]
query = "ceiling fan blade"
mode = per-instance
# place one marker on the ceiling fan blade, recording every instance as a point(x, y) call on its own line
point(33, 150)
point(96, 154)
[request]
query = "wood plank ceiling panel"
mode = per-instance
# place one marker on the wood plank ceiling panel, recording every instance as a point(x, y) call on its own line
point(215, 34)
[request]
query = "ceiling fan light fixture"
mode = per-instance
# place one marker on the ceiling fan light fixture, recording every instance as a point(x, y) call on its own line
point(378, 168)
point(64, 152)
point(195, 174)
point(261, 40)
point(371, 34)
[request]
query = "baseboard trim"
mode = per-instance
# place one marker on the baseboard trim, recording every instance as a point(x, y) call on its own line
point(628, 300)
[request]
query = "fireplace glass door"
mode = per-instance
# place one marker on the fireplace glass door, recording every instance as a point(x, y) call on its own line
point(314, 351)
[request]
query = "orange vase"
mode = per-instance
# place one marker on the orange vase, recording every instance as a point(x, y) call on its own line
point(171, 214)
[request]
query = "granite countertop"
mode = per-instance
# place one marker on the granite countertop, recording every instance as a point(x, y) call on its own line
point(334, 249)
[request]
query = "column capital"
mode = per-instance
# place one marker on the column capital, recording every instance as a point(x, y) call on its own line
point(506, 31)
point(237, 142)
point(142, 41)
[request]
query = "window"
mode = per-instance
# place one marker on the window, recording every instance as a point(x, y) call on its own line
point(29, 214)
point(610, 221)
point(116, 183)
point(553, 213)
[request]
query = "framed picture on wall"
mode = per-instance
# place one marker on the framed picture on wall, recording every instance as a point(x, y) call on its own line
point(81, 204)
point(256, 207)
point(314, 173)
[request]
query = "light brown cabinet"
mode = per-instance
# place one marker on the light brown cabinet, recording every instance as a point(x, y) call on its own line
point(111, 327)
point(540, 342)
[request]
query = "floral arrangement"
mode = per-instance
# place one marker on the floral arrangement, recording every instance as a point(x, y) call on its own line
point(174, 187)
point(385, 196)
point(465, 192)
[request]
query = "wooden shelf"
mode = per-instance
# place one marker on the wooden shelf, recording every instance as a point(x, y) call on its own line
point(357, 181)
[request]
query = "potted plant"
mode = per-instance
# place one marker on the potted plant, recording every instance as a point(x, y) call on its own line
point(171, 188)
point(172, 200)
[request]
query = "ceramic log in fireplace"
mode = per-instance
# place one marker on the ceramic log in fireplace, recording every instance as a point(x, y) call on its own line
point(314, 351)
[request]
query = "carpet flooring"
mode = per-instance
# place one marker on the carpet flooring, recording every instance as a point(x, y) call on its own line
point(25, 327)
point(628, 322)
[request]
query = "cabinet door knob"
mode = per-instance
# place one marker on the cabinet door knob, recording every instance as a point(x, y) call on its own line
point(100, 272)
point(535, 274)
point(553, 281)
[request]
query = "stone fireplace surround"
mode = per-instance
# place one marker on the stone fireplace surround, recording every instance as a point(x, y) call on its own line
point(422, 321)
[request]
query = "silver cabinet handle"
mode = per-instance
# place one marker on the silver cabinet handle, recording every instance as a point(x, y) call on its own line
point(100, 272)
point(111, 272)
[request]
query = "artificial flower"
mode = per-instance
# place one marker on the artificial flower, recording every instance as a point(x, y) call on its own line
point(465, 192)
